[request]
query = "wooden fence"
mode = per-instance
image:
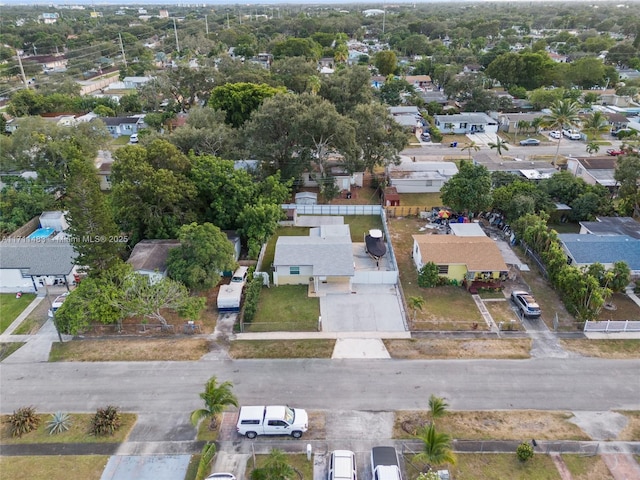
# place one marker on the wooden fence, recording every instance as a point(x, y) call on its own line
point(407, 211)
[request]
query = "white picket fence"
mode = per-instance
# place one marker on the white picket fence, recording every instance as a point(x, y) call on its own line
point(334, 209)
point(612, 326)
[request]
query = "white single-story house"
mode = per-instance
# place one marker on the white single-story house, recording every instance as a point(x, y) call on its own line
point(420, 177)
point(119, 126)
point(29, 264)
point(325, 256)
point(510, 122)
point(464, 123)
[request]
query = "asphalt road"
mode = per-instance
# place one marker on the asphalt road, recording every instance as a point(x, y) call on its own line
point(587, 384)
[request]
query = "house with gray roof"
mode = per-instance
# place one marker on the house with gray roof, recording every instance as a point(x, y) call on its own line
point(612, 226)
point(149, 257)
point(325, 256)
point(595, 170)
point(584, 250)
point(119, 126)
point(29, 264)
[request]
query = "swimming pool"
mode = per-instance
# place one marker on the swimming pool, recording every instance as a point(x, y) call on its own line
point(41, 233)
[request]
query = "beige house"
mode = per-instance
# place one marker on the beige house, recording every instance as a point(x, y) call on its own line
point(474, 261)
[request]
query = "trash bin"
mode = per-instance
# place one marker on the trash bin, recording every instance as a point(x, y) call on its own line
point(348, 195)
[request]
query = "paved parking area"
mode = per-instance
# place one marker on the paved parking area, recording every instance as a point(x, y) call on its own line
point(146, 467)
point(371, 308)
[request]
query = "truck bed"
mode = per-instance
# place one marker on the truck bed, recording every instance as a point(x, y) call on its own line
point(384, 456)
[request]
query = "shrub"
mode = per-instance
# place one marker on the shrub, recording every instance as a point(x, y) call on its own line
point(105, 422)
point(428, 275)
point(524, 451)
point(23, 420)
point(60, 422)
point(251, 299)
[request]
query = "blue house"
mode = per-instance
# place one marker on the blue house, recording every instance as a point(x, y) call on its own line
point(584, 250)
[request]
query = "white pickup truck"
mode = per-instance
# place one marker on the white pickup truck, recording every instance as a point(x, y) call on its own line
point(272, 420)
point(385, 464)
point(571, 134)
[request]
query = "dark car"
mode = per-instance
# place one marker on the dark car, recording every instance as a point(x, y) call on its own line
point(425, 136)
point(529, 142)
point(526, 303)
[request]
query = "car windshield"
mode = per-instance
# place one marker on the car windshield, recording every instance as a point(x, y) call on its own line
point(289, 415)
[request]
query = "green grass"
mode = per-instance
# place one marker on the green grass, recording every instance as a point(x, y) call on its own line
point(587, 468)
point(192, 469)
point(359, 225)
point(565, 227)
point(420, 199)
point(504, 466)
point(30, 325)
point(55, 467)
point(298, 461)
point(285, 308)
point(77, 433)
point(7, 349)
point(11, 307)
point(322, 348)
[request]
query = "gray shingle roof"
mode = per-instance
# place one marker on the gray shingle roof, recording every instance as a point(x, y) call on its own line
point(37, 257)
point(151, 255)
point(588, 249)
point(329, 256)
point(613, 226)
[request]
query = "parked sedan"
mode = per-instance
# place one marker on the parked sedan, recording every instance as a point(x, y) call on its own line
point(526, 303)
point(425, 136)
point(529, 142)
point(614, 153)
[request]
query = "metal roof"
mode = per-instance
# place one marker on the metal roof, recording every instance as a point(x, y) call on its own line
point(605, 249)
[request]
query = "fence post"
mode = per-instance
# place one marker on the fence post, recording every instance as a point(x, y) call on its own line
point(626, 323)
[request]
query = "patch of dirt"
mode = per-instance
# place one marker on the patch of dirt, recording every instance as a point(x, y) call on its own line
point(630, 433)
point(614, 349)
point(492, 425)
point(131, 350)
point(426, 348)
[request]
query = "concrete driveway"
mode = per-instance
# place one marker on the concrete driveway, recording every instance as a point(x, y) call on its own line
point(372, 308)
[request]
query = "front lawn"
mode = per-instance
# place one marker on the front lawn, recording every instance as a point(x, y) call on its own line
point(503, 466)
point(129, 350)
point(285, 308)
point(620, 307)
point(11, 307)
point(8, 348)
point(320, 348)
point(56, 467)
point(298, 461)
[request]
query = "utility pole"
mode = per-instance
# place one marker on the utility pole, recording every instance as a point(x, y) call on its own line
point(24, 77)
point(384, 17)
point(228, 21)
point(206, 24)
point(124, 57)
point(175, 31)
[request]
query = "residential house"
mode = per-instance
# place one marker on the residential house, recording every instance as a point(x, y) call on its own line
point(149, 257)
point(509, 121)
point(420, 177)
point(135, 82)
point(616, 120)
point(530, 170)
point(611, 99)
point(612, 226)
point(28, 264)
point(49, 63)
point(306, 198)
point(420, 83)
point(584, 250)
point(466, 229)
point(119, 126)
point(48, 18)
point(594, 170)
point(464, 123)
point(434, 96)
point(409, 117)
point(473, 261)
point(325, 256)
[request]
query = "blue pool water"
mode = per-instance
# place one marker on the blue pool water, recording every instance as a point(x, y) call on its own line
point(41, 233)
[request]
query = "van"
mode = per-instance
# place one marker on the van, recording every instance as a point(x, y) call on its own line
point(342, 465)
point(240, 275)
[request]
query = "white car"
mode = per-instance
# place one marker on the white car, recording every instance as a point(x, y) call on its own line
point(555, 134)
point(133, 138)
point(571, 134)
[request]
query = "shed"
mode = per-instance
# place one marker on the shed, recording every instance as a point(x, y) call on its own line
point(390, 197)
point(54, 219)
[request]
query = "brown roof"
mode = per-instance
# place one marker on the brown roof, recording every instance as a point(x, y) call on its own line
point(151, 255)
point(479, 254)
point(598, 163)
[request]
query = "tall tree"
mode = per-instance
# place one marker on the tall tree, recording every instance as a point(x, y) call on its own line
point(469, 189)
point(348, 88)
point(96, 237)
point(499, 145)
point(627, 174)
point(379, 137)
point(437, 407)
point(470, 146)
point(216, 398)
point(386, 62)
point(564, 114)
point(203, 254)
point(239, 100)
point(595, 124)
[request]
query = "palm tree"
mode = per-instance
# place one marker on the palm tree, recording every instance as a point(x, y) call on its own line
point(593, 147)
point(537, 123)
point(471, 146)
point(416, 303)
point(216, 399)
point(521, 125)
point(313, 84)
point(437, 407)
point(275, 467)
point(564, 113)
point(596, 123)
point(499, 145)
point(437, 447)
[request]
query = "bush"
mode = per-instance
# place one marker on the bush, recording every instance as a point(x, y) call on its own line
point(524, 452)
point(428, 275)
point(23, 420)
point(59, 423)
point(105, 422)
point(251, 299)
